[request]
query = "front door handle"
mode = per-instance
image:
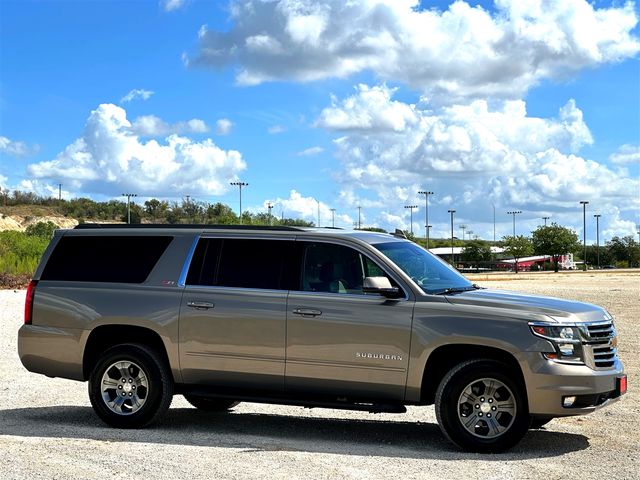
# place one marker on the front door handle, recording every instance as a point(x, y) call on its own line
point(307, 312)
point(200, 305)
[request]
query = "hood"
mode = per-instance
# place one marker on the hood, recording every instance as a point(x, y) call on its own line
point(566, 311)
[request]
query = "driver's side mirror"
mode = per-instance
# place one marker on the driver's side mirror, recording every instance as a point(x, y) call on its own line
point(381, 286)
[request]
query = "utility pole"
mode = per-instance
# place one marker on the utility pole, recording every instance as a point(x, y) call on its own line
point(584, 231)
point(129, 195)
point(514, 213)
point(411, 207)
point(597, 217)
point(240, 185)
point(359, 223)
point(269, 206)
point(545, 220)
point(333, 218)
point(59, 191)
point(451, 212)
point(426, 194)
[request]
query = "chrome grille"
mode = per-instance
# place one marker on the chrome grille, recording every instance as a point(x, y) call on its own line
point(599, 343)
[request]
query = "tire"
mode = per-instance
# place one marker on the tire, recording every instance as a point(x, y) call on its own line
point(210, 404)
point(539, 422)
point(488, 398)
point(130, 386)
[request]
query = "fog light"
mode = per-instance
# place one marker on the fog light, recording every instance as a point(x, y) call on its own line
point(568, 401)
point(566, 349)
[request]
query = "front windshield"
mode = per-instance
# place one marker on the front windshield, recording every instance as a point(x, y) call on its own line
point(431, 273)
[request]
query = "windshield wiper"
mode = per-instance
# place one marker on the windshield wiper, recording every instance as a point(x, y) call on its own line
point(449, 290)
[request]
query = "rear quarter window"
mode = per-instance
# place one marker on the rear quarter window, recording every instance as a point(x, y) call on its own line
point(121, 259)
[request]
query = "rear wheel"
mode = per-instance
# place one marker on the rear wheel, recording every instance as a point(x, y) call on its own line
point(210, 404)
point(481, 407)
point(130, 386)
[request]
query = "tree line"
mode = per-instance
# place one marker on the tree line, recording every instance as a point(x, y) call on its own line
point(555, 241)
point(151, 211)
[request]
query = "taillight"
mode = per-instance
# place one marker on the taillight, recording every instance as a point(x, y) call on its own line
point(28, 303)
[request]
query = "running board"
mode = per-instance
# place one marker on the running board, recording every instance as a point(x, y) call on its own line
point(339, 403)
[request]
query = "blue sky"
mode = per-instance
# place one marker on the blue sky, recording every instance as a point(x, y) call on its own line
point(531, 108)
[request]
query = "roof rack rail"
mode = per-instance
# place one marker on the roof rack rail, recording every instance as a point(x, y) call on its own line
point(88, 226)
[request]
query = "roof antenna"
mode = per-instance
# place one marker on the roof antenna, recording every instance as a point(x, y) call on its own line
point(399, 233)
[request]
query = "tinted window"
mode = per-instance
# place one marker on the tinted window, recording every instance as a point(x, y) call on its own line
point(122, 259)
point(336, 269)
point(250, 263)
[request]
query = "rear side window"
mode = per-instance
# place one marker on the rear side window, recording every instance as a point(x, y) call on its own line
point(243, 263)
point(121, 259)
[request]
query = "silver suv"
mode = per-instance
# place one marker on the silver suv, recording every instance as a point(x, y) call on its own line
point(316, 317)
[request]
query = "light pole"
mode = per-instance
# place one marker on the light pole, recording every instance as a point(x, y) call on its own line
point(584, 231)
point(597, 217)
point(426, 194)
point(411, 207)
point(359, 223)
point(333, 218)
point(318, 213)
point(429, 227)
point(451, 212)
point(463, 228)
point(269, 206)
point(129, 195)
point(240, 185)
point(514, 213)
point(59, 191)
point(469, 233)
point(545, 220)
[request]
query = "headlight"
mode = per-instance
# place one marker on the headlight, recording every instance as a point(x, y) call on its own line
point(565, 339)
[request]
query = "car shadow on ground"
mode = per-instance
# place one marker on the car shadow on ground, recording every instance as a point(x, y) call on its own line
point(253, 432)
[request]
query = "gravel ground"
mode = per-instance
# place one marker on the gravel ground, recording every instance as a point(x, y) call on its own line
point(48, 430)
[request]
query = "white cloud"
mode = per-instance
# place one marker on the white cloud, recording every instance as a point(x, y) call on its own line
point(626, 154)
point(456, 140)
point(463, 51)
point(110, 157)
point(311, 151)
point(171, 5)
point(223, 126)
point(275, 129)
point(471, 155)
point(137, 94)
point(17, 149)
point(152, 126)
point(298, 206)
point(370, 109)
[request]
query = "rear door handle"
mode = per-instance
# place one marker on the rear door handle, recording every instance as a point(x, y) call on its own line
point(200, 305)
point(307, 312)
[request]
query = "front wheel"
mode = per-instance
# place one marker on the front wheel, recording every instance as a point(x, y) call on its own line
point(481, 406)
point(130, 386)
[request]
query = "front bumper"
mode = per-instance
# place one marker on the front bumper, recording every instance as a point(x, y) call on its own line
point(548, 383)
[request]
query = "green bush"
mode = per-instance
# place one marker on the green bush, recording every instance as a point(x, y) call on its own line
point(20, 253)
